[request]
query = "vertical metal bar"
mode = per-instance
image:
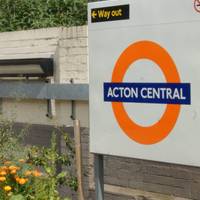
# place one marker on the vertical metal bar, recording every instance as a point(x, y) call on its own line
point(73, 111)
point(99, 176)
point(73, 106)
point(51, 107)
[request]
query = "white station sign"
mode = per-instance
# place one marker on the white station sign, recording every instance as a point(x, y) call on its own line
point(144, 59)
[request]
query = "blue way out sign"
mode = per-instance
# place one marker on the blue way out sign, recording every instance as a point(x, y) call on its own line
point(158, 93)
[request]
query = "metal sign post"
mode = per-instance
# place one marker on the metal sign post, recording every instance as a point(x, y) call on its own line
point(99, 176)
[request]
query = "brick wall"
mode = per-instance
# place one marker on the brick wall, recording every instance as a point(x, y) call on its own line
point(73, 55)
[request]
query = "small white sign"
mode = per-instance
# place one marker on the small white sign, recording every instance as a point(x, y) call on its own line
point(144, 79)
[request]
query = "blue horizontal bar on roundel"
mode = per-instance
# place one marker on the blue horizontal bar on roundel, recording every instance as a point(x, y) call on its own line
point(155, 93)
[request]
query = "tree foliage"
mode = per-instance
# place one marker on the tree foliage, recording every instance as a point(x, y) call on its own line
point(32, 14)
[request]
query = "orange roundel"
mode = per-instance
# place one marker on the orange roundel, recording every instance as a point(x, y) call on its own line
point(161, 129)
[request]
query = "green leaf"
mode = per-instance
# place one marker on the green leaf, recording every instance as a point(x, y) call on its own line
point(62, 175)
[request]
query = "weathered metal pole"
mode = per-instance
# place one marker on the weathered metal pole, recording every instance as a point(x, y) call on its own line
point(99, 176)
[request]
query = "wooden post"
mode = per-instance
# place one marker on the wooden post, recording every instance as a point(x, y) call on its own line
point(77, 136)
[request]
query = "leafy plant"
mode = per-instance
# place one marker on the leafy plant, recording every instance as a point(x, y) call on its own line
point(11, 143)
point(31, 14)
point(36, 175)
point(49, 159)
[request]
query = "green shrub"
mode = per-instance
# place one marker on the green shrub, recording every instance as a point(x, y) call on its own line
point(32, 14)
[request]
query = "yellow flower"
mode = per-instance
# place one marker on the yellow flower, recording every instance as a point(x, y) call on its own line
point(22, 181)
point(7, 188)
point(2, 178)
point(3, 173)
point(12, 167)
point(36, 173)
point(13, 171)
point(28, 173)
point(17, 178)
point(3, 168)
